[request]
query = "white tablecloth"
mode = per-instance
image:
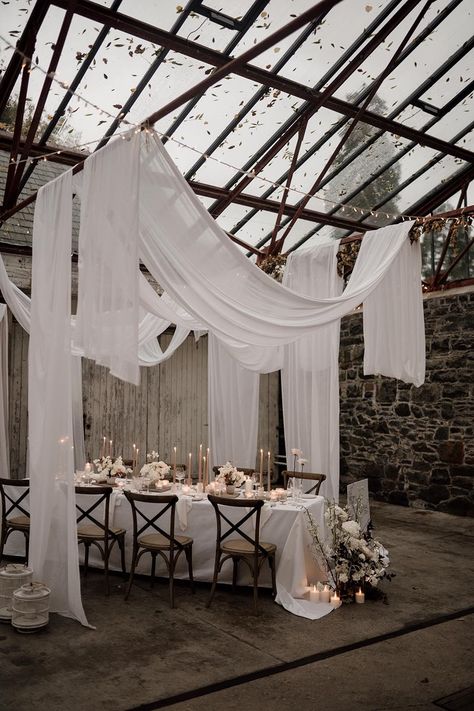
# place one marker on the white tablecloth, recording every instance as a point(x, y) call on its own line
point(281, 524)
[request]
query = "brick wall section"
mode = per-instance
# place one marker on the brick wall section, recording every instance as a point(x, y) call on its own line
point(415, 445)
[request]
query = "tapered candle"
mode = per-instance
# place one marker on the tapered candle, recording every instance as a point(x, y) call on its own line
point(269, 484)
point(261, 468)
point(200, 463)
point(103, 448)
point(190, 467)
point(207, 464)
point(136, 462)
point(174, 465)
point(110, 448)
point(204, 468)
point(134, 454)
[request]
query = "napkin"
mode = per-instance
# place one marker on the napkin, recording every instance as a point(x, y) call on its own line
point(185, 504)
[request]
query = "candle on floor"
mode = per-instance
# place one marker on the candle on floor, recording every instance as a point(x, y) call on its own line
point(335, 600)
point(200, 463)
point(190, 467)
point(261, 468)
point(324, 594)
point(174, 465)
point(269, 482)
point(314, 594)
point(360, 596)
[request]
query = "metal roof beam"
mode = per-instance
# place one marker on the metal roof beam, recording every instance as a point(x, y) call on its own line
point(98, 13)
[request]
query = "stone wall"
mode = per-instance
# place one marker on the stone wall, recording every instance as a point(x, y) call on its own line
point(415, 445)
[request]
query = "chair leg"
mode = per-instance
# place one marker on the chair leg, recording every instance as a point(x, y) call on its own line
point(106, 568)
point(172, 563)
point(86, 557)
point(214, 579)
point(132, 571)
point(235, 562)
point(27, 546)
point(153, 568)
point(3, 540)
point(271, 561)
point(256, 569)
point(121, 543)
point(189, 557)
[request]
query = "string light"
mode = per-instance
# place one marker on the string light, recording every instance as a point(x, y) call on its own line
point(136, 128)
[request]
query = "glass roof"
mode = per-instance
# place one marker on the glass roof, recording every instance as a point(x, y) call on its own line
point(237, 120)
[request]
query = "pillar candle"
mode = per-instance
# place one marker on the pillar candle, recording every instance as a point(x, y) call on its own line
point(261, 468)
point(174, 465)
point(314, 594)
point(269, 482)
point(335, 600)
point(200, 463)
point(360, 597)
point(324, 594)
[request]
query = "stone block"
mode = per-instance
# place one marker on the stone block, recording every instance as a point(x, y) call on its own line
point(435, 493)
point(441, 433)
point(387, 391)
point(447, 410)
point(398, 497)
point(451, 451)
point(440, 476)
point(455, 392)
point(402, 409)
point(429, 392)
point(459, 506)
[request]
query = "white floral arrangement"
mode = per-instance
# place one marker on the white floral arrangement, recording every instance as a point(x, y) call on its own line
point(351, 557)
point(107, 467)
point(154, 469)
point(230, 476)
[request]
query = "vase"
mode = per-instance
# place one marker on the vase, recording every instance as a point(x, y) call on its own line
point(230, 489)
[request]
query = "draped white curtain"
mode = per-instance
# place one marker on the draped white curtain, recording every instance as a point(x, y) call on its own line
point(4, 448)
point(53, 542)
point(310, 374)
point(233, 408)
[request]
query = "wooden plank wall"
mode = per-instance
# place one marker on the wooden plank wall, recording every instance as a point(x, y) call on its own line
point(168, 409)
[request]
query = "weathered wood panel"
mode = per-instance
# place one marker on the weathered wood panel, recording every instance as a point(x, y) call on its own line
point(168, 409)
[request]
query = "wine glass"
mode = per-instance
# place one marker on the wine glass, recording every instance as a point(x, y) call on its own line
point(180, 477)
point(146, 483)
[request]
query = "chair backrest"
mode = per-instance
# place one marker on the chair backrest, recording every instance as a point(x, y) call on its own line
point(248, 471)
point(14, 496)
point(252, 508)
point(148, 520)
point(318, 478)
point(86, 512)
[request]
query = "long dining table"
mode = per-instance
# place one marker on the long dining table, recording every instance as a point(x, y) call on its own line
point(282, 523)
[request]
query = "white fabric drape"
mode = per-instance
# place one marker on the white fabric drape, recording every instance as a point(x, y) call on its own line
point(232, 408)
point(212, 280)
point(394, 326)
point(310, 375)
point(107, 312)
point(4, 445)
point(77, 413)
point(53, 542)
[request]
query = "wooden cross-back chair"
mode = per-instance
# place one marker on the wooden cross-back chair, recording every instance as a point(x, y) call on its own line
point(307, 476)
point(14, 497)
point(92, 530)
point(161, 542)
point(247, 548)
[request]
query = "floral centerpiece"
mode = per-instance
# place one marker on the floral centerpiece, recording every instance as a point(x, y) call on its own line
point(351, 557)
point(230, 476)
point(106, 467)
point(154, 469)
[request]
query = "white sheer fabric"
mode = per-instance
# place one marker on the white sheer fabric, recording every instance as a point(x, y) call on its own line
point(107, 314)
point(233, 408)
point(310, 375)
point(53, 542)
point(4, 446)
point(394, 326)
point(18, 302)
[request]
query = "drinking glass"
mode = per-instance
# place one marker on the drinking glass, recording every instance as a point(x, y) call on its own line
point(180, 477)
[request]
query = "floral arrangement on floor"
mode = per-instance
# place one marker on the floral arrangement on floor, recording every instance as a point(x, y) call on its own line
point(154, 468)
point(110, 468)
point(230, 476)
point(351, 557)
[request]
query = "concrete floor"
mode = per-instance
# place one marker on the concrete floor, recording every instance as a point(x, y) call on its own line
point(406, 654)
